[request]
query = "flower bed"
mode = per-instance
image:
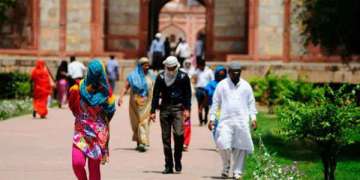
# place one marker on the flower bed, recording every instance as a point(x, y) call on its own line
point(14, 107)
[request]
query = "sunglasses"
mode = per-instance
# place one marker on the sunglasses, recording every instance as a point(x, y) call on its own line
point(171, 68)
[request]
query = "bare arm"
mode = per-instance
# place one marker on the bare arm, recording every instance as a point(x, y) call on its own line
point(123, 92)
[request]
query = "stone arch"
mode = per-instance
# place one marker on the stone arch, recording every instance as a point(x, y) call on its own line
point(152, 10)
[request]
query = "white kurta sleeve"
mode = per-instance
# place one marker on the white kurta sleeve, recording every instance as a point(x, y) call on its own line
point(216, 102)
point(251, 104)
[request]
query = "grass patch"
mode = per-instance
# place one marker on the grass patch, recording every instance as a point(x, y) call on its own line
point(286, 152)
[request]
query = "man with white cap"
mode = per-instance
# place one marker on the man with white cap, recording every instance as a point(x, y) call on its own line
point(233, 138)
point(173, 86)
point(157, 50)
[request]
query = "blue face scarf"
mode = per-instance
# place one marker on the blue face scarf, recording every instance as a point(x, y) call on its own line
point(95, 89)
point(137, 81)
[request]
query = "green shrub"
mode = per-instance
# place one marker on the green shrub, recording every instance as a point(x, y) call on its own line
point(271, 90)
point(330, 120)
point(14, 85)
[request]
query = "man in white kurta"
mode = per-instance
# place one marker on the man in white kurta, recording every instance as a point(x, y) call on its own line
point(235, 100)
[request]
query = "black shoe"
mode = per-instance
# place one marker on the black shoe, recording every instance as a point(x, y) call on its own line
point(34, 114)
point(168, 171)
point(178, 167)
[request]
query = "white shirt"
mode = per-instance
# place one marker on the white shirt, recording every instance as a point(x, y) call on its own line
point(237, 105)
point(189, 71)
point(76, 70)
point(183, 50)
point(204, 77)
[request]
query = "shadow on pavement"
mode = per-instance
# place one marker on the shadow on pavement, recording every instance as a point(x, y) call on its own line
point(215, 177)
point(124, 149)
point(207, 149)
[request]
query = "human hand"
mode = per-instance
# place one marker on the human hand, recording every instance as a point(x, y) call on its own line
point(211, 125)
point(253, 124)
point(120, 102)
point(152, 117)
point(186, 114)
point(105, 159)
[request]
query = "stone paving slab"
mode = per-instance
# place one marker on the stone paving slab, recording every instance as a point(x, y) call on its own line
point(35, 149)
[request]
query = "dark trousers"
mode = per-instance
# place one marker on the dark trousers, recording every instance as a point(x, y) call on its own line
point(157, 60)
point(202, 99)
point(181, 60)
point(171, 118)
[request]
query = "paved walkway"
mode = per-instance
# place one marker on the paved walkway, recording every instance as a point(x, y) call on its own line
point(35, 149)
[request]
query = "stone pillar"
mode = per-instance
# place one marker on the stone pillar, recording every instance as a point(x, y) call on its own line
point(271, 28)
point(49, 25)
point(78, 29)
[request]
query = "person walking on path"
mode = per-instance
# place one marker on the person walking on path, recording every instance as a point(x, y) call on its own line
point(76, 70)
point(93, 105)
point(183, 51)
point(62, 83)
point(141, 83)
point(112, 70)
point(174, 88)
point(220, 74)
point(199, 49)
point(189, 70)
point(157, 51)
point(233, 138)
point(42, 88)
point(203, 75)
point(167, 47)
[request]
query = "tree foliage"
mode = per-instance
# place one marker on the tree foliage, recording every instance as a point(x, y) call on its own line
point(4, 5)
point(332, 24)
point(330, 121)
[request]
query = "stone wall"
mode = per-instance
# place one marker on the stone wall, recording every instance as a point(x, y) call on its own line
point(78, 28)
point(270, 27)
point(312, 72)
point(230, 21)
point(49, 24)
point(123, 20)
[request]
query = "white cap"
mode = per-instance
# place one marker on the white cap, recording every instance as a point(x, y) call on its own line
point(171, 61)
point(158, 35)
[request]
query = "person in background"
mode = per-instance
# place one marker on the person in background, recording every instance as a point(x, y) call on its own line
point(183, 51)
point(76, 70)
point(173, 86)
point(112, 70)
point(203, 75)
point(220, 74)
point(189, 70)
point(235, 97)
point(157, 50)
point(93, 105)
point(62, 83)
point(167, 47)
point(141, 83)
point(199, 49)
point(42, 88)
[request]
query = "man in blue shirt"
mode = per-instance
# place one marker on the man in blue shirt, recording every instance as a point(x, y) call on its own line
point(112, 69)
point(157, 50)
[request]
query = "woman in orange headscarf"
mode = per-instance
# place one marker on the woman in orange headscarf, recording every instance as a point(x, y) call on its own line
point(41, 88)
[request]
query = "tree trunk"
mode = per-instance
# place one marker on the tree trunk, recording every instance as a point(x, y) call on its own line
point(332, 167)
point(326, 165)
point(329, 163)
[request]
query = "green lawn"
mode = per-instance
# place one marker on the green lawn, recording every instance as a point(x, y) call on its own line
point(309, 164)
